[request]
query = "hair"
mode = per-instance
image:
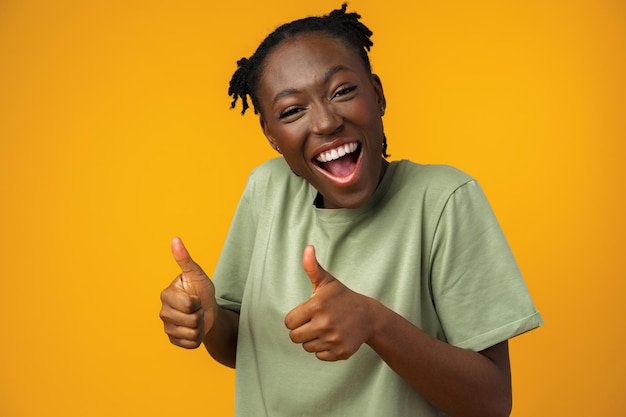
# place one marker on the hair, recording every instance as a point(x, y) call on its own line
point(338, 24)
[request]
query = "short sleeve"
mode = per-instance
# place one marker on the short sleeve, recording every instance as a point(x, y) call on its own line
point(479, 294)
point(233, 266)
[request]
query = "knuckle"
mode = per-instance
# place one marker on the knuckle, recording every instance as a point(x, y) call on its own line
point(195, 320)
point(294, 336)
point(165, 295)
point(325, 322)
point(342, 353)
point(166, 316)
point(194, 335)
point(187, 304)
point(316, 306)
point(168, 330)
point(162, 315)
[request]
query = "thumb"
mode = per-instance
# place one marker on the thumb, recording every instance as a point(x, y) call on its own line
point(191, 271)
point(318, 275)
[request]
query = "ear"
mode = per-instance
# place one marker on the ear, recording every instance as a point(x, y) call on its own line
point(378, 88)
point(268, 135)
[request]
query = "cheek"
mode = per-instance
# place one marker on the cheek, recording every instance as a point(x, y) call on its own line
point(290, 137)
point(291, 142)
point(366, 112)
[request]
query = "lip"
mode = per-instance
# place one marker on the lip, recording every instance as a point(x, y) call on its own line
point(339, 181)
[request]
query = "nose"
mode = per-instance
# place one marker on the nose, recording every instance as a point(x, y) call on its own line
point(325, 120)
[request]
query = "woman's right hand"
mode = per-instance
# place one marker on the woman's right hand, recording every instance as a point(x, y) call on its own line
point(188, 307)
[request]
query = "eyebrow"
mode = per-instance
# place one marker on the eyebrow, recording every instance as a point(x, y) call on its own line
point(329, 74)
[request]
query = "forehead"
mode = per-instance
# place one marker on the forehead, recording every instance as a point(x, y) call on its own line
point(302, 60)
point(316, 43)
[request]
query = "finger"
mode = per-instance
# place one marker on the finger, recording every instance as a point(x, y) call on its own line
point(191, 270)
point(303, 334)
point(182, 332)
point(325, 350)
point(176, 297)
point(328, 356)
point(298, 317)
point(313, 346)
point(318, 276)
point(173, 317)
point(182, 257)
point(185, 343)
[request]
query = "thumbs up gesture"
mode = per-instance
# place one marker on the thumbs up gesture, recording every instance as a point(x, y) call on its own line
point(335, 321)
point(188, 306)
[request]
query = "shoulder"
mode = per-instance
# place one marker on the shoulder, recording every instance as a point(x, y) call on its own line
point(428, 179)
point(274, 166)
point(431, 172)
point(271, 178)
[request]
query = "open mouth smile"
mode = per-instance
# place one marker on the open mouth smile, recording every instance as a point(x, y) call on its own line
point(337, 153)
point(341, 162)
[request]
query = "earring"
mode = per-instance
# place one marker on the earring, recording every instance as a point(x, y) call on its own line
point(384, 150)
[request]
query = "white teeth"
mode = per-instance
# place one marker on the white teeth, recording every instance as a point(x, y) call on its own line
point(337, 152)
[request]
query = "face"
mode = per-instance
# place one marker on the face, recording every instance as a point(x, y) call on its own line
point(322, 110)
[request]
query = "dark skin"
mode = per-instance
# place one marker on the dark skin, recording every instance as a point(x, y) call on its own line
point(316, 95)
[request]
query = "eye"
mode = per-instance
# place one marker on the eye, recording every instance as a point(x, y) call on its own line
point(289, 112)
point(344, 91)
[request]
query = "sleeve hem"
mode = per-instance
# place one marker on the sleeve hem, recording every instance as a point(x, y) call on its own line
point(229, 305)
point(502, 333)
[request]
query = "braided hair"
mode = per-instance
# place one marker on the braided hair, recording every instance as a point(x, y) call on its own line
point(338, 23)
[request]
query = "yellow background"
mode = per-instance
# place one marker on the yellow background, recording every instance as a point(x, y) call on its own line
point(116, 135)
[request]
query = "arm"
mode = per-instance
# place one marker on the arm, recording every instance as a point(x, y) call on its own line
point(336, 321)
point(458, 381)
point(221, 340)
point(191, 314)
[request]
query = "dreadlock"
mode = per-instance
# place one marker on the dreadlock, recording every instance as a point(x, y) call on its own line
point(337, 23)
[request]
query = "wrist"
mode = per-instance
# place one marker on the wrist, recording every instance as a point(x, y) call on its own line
point(211, 318)
point(377, 320)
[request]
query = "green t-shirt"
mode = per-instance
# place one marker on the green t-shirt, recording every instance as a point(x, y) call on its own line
point(426, 245)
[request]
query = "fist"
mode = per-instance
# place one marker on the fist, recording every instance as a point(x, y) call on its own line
point(188, 305)
point(335, 321)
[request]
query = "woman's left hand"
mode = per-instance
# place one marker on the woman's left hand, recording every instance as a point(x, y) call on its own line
point(335, 321)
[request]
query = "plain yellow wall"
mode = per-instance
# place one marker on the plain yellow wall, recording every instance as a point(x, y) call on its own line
point(116, 135)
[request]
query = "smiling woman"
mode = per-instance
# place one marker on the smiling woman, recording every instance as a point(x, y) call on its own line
point(415, 291)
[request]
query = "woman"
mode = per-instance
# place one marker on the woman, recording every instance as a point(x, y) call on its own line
point(349, 285)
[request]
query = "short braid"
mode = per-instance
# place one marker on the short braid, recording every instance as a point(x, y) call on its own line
point(238, 86)
point(353, 27)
